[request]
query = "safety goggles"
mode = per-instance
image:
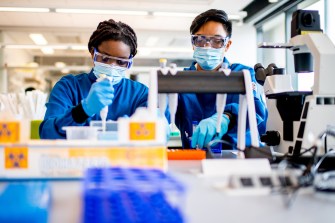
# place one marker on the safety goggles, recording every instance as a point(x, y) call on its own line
point(214, 41)
point(106, 59)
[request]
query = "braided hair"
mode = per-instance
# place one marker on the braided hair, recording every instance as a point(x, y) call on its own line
point(212, 15)
point(111, 30)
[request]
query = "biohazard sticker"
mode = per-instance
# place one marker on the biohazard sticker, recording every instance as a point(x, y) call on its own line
point(9, 131)
point(142, 131)
point(16, 157)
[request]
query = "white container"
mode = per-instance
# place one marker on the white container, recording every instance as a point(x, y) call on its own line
point(81, 132)
point(111, 126)
point(111, 130)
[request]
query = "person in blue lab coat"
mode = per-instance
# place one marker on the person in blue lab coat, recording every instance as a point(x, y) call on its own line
point(75, 100)
point(211, 33)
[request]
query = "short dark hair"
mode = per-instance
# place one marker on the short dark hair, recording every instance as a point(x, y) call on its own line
point(212, 15)
point(111, 30)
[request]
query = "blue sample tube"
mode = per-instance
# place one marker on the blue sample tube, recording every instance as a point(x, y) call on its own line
point(216, 148)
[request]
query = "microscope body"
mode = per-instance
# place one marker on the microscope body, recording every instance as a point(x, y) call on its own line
point(297, 117)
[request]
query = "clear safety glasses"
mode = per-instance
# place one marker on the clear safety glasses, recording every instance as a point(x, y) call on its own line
point(214, 41)
point(103, 58)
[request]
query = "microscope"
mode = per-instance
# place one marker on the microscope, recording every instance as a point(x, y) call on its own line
point(298, 117)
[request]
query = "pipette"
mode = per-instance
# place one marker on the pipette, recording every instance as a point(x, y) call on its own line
point(104, 111)
point(221, 101)
point(173, 100)
point(162, 98)
point(220, 104)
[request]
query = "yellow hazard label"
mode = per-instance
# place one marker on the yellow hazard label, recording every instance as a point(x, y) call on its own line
point(142, 130)
point(16, 157)
point(308, 32)
point(9, 131)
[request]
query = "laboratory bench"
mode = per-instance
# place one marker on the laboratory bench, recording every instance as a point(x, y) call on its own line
point(206, 202)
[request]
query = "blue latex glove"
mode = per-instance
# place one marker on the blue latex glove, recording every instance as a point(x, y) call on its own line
point(101, 94)
point(206, 130)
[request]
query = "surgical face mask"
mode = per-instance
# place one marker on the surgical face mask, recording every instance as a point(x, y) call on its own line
point(113, 73)
point(208, 58)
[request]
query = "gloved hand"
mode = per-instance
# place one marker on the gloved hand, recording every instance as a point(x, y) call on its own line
point(100, 95)
point(206, 130)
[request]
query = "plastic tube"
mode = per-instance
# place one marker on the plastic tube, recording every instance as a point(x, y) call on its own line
point(220, 105)
point(173, 103)
point(221, 100)
point(104, 111)
point(103, 115)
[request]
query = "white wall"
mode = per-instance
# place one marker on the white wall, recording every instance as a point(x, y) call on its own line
point(15, 57)
point(331, 20)
point(274, 32)
point(244, 46)
point(10, 58)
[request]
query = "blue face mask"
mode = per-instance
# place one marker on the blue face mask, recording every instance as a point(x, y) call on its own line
point(114, 73)
point(208, 58)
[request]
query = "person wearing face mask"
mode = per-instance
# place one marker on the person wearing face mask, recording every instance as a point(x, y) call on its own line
point(211, 33)
point(75, 100)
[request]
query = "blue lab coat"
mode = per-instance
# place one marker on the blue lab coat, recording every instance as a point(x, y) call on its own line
point(196, 107)
point(70, 90)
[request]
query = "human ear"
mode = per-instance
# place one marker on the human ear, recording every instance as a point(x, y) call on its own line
point(92, 53)
point(228, 45)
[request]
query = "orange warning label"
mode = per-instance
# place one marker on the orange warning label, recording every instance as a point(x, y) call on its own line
point(142, 130)
point(9, 131)
point(16, 157)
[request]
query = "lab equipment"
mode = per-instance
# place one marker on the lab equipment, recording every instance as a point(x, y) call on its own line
point(20, 105)
point(67, 159)
point(262, 183)
point(104, 111)
point(27, 201)
point(111, 131)
point(172, 98)
point(297, 117)
point(221, 101)
point(34, 126)
point(216, 82)
point(173, 103)
point(325, 182)
point(100, 95)
point(103, 116)
point(132, 195)
point(81, 132)
point(186, 154)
